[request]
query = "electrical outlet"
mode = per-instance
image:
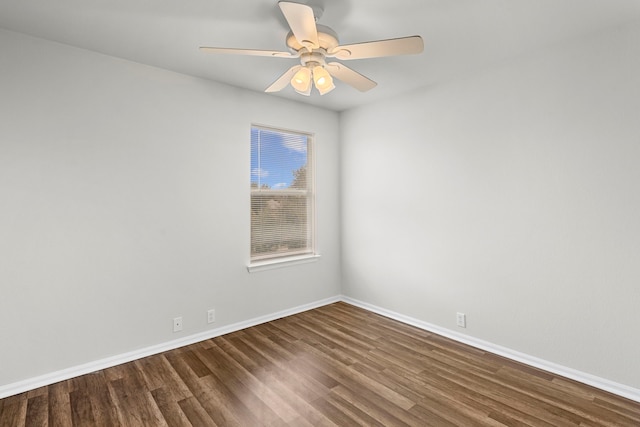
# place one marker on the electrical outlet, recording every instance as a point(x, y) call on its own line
point(177, 324)
point(461, 320)
point(211, 316)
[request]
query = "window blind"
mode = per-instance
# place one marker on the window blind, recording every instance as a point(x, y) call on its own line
point(282, 197)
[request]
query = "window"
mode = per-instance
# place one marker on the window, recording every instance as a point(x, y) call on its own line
point(282, 194)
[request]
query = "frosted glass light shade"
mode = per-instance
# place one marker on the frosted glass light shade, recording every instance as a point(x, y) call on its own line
point(301, 81)
point(322, 80)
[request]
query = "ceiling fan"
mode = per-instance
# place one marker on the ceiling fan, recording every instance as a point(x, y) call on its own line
point(313, 44)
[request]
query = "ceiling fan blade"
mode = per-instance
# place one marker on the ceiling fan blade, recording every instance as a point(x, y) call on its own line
point(302, 22)
point(251, 52)
point(375, 49)
point(283, 80)
point(350, 76)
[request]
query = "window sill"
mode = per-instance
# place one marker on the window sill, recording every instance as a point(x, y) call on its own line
point(281, 262)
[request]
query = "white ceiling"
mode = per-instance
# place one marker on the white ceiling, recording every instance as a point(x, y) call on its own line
point(460, 36)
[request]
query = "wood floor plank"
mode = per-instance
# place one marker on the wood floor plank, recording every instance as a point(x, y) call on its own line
point(243, 396)
point(355, 379)
point(296, 378)
point(430, 418)
point(359, 416)
point(81, 411)
point(158, 373)
point(476, 397)
point(212, 400)
point(170, 408)
point(371, 403)
point(335, 333)
point(264, 404)
point(195, 413)
point(334, 413)
point(228, 399)
point(101, 402)
point(59, 405)
point(575, 405)
point(262, 341)
point(510, 397)
point(336, 365)
point(620, 406)
point(133, 401)
point(13, 411)
point(37, 411)
point(40, 391)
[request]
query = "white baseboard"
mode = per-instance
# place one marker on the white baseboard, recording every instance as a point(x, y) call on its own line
point(72, 372)
point(65, 374)
point(592, 380)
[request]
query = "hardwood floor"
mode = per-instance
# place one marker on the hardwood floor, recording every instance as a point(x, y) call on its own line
point(335, 365)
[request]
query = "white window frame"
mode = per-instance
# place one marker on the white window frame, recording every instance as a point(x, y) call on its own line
point(292, 257)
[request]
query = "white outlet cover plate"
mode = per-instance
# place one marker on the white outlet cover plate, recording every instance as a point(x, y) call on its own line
point(177, 324)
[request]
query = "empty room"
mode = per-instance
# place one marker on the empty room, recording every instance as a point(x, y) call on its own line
point(320, 212)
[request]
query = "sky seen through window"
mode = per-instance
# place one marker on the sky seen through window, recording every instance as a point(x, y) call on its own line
point(274, 157)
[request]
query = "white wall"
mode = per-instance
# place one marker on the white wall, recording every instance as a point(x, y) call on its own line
point(513, 196)
point(124, 203)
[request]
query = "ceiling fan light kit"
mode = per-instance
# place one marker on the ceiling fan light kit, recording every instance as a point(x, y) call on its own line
point(313, 43)
point(309, 73)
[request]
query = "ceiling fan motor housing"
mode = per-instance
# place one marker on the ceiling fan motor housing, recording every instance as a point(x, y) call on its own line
point(313, 58)
point(327, 38)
